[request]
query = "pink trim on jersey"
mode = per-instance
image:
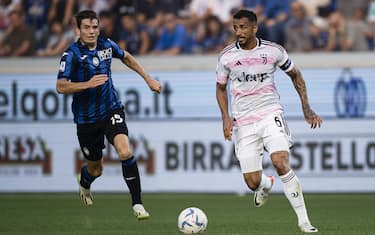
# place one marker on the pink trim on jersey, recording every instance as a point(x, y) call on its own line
point(267, 89)
point(221, 80)
point(251, 61)
point(254, 117)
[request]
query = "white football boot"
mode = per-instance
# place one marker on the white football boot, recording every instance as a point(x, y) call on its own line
point(140, 212)
point(308, 228)
point(85, 194)
point(261, 196)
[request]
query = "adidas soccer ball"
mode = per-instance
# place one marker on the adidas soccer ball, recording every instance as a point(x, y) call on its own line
point(192, 220)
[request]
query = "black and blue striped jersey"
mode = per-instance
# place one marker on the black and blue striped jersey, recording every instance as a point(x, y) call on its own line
point(79, 64)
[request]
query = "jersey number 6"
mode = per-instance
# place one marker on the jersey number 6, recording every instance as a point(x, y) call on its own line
point(278, 122)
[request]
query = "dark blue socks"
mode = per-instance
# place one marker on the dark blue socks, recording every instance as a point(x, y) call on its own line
point(131, 177)
point(86, 178)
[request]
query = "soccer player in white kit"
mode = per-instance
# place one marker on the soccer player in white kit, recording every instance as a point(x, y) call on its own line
point(257, 115)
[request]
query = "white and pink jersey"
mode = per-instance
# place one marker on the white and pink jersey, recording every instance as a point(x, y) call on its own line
point(251, 75)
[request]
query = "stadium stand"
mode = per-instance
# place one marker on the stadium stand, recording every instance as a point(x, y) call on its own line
point(202, 26)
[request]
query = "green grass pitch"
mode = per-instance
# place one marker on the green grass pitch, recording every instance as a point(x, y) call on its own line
point(228, 214)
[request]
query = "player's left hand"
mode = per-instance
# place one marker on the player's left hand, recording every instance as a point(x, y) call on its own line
point(154, 85)
point(312, 118)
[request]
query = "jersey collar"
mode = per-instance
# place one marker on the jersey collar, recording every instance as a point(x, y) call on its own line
point(82, 44)
point(259, 42)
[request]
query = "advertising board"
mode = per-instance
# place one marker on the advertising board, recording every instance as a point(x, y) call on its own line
point(186, 156)
point(339, 93)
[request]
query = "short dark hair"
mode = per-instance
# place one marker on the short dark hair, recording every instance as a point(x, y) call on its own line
point(86, 14)
point(250, 15)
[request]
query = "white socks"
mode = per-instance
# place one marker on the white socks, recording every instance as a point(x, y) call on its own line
point(293, 191)
point(265, 183)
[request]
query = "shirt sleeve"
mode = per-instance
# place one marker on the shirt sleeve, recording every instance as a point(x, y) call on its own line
point(222, 72)
point(283, 60)
point(117, 52)
point(66, 65)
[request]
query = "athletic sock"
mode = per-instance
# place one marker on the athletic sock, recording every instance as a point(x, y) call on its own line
point(293, 191)
point(132, 179)
point(265, 183)
point(86, 178)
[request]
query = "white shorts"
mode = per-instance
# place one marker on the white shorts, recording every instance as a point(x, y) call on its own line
point(271, 133)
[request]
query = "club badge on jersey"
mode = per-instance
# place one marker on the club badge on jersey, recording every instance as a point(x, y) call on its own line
point(95, 61)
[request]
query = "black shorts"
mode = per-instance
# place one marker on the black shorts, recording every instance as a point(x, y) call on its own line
point(91, 135)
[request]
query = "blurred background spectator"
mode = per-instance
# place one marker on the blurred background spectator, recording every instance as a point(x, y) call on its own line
point(107, 25)
point(273, 16)
point(173, 39)
point(348, 8)
point(94, 5)
point(133, 37)
point(19, 39)
point(201, 9)
point(346, 35)
point(216, 35)
point(297, 29)
point(6, 6)
point(58, 40)
point(36, 13)
point(172, 27)
point(63, 11)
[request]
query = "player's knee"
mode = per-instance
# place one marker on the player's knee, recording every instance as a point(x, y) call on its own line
point(125, 154)
point(280, 162)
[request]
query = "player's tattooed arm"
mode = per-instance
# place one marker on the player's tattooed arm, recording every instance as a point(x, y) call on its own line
point(299, 84)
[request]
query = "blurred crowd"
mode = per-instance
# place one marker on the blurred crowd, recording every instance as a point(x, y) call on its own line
point(170, 27)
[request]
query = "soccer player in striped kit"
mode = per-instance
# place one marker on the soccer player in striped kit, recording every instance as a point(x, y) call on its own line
point(85, 72)
point(257, 116)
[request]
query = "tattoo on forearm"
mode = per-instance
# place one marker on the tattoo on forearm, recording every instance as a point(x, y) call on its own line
point(300, 86)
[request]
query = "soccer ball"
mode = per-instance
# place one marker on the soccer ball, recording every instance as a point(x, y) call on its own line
point(192, 220)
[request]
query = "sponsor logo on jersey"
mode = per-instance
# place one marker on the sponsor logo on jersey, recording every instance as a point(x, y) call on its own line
point(105, 54)
point(259, 77)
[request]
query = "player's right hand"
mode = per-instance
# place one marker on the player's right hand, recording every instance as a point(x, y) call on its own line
point(97, 80)
point(312, 118)
point(227, 128)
